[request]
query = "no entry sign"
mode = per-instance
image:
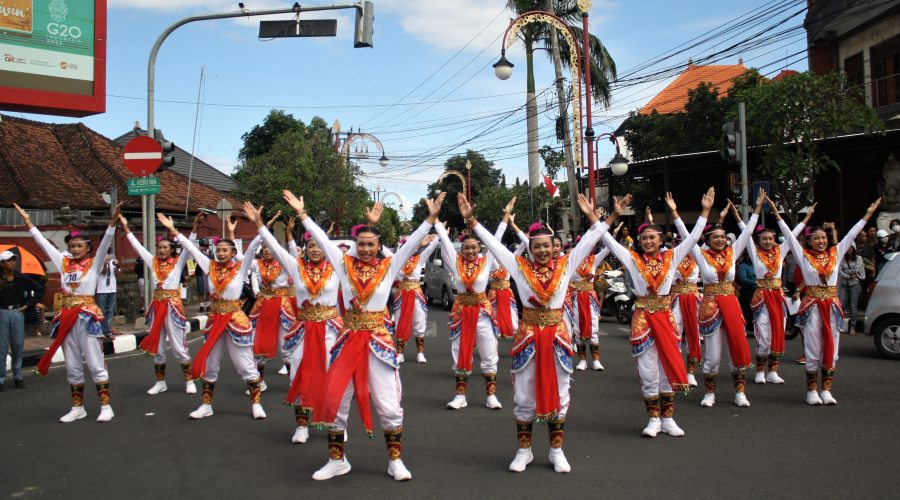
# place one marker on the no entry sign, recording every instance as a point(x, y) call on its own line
point(142, 155)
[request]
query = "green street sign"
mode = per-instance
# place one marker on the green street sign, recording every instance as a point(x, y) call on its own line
point(143, 185)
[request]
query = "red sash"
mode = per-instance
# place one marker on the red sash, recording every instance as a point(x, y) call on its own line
point(265, 343)
point(309, 375)
point(408, 299)
point(775, 306)
point(470, 315)
point(546, 382)
point(733, 323)
point(67, 319)
point(688, 305)
point(219, 323)
point(667, 346)
point(827, 340)
point(352, 363)
point(503, 312)
point(584, 314)
point(150, 344)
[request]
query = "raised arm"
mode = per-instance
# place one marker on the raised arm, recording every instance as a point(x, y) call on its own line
point(412, 243)
point(448, 253)
point(689, 245)
point(431, 247)
point(789, 236)
point(284, 257)
point(105, 243)
point(845, 243)
point(332, 253)
point(499, 251)
point(745, 236)
point(135, 244)
point(186, 244)
point(589, 239)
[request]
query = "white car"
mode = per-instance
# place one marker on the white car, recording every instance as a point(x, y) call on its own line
point(883, 310)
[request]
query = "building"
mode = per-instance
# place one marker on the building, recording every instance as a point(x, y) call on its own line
point(673, 98)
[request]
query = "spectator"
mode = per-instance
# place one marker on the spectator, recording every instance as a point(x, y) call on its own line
point(851, 271)
point(871, 237)
point(625, 238)
point(106, 293)
point(18, 293)
point(867, 253)
point(202, 289)
point(894, 229)
point(882, 248)
point(747, 280)
point(787, 271)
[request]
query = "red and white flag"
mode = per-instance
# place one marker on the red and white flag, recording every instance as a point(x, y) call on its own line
point(551, 186)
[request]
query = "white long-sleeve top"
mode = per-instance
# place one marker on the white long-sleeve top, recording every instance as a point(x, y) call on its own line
point(423, 259)
point(598, 258)
point(235, 286)
point(379, 297)
point(450, 260)
point(328, 296)
point(282, 279)
point(173, 280)
point(75, 281)
point(678, 254)
point(707, 272)
point(810, 275)
point(508, 261)
point(759, 268)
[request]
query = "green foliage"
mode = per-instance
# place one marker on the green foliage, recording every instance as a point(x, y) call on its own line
point(483, 175)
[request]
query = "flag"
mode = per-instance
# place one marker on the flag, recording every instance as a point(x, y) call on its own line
point(551, 186)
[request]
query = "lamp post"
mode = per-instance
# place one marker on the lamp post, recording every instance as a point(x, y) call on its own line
point(378, 191)
point(469, 181)
point(618, 164)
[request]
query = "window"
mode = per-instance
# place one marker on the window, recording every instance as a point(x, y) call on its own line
point(885, 60)
point(853, 66)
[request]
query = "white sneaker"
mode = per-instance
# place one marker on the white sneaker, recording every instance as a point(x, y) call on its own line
point(773, 378)
point(493, 403)
point(458, 402)
point(158, 388)
point(812, 398)
point(760, 378)
point(523, 458)
point(581, 366)
point(692, 380)
point(76, 413)
point(597, 366)
point(671, 428)
point(301, 434)
point(420, 357)
point(560, 464)
point(331, 469)
point(398, 471)
point(190, 387)
point(740, 399)
point(262, 388)
point(106, 414)
point(400, 358)
point(709, 399)
point(653, 428)
point(828, 399)
point(202, 412)
point(283, 370)
point(258, 411)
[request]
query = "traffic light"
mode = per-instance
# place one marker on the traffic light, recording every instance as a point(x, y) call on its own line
point(362, 36)
point(731, 142)
point(167, 149)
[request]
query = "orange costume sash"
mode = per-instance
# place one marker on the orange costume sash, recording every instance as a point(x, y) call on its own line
point(686, 267)
point(221, 275)
point(545, 285)
point(469, 271)
point(770, 259)
point(268, 271)
point(654, 271)
point(720, 261)
point(365, 278)
point(314, 277)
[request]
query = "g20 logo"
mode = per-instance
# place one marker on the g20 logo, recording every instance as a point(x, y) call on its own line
point(62, 30)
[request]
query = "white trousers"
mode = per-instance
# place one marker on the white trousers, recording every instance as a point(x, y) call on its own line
point(419, 319)
point(679, 321)
point(285, 356)
point(78, 345)
point(524, 389)
point(385, 391)
point(486, 342)
point(576, 324)
point(812, 340)
point(712, 355)
point(762, 330)
point(177, 338)
point(652, 374)
point(241, 356)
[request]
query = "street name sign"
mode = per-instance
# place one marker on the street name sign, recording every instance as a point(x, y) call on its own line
point(144, 185)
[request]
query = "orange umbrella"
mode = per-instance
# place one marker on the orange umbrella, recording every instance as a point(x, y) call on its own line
point(26, 262)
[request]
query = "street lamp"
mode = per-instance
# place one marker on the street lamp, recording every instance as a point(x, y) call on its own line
point(469, 181)
point(383, 160)
point(503, 68)
point(619, 164)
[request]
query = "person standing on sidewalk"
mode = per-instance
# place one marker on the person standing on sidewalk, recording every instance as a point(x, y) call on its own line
point(852, 270)
point(106, 293)
point(18, 293)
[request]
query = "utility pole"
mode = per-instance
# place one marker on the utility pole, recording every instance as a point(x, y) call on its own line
point(567, 138)
point(745, 200)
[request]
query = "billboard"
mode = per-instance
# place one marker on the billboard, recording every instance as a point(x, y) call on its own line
point(53, 56)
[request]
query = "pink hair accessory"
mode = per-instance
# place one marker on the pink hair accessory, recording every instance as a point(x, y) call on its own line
point(160, 238)
point(641, 227)
point(216, 240)
point(809, 232)
point(708, 226)
point(535, 227)
point(759, 228)
point(577, 239)
point(403, 241)
point(356, 229)
point(307, 236)
point(74, 234)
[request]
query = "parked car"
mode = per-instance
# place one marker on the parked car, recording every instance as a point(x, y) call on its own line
point(439, 282)
point(882, 320)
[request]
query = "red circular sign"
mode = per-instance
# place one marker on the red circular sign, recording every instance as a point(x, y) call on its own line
point(142, 155)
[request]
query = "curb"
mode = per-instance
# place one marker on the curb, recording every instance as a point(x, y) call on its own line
point(121, 344)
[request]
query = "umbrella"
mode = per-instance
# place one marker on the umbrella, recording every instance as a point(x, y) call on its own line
point(26, 262)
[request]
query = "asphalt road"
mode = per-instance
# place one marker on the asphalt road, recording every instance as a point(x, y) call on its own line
point(777, 448)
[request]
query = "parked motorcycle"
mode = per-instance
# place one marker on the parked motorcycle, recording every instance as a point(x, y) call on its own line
point(622, 303)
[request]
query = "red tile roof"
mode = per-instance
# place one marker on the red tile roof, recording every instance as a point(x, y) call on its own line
point(784, 73)
point(44, 165)
point(673, 98)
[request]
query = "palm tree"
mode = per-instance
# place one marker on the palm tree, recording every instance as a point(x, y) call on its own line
point(536, 36)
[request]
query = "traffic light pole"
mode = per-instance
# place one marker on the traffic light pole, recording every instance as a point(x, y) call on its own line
point(745, 199)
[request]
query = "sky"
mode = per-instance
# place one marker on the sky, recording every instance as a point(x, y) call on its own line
point(425, 87)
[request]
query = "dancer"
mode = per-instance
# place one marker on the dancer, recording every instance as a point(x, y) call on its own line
point(471, 319)
point(654, 333)
point(721, 320)
point(503, 301)
point(410, 307)
point(228, 327)
point(820, 315)
point(542, 348)
point(165, 316)
point(76, 326)
point(364, 358)
point(586, 311)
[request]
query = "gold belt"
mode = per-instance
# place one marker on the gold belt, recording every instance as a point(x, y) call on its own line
point(684, 288)
point(271, 293)
point(408, 285)
point(223, 306)
point(500, 285)
point(166, 294)
point(72, 301)
point(653, 303)
point(581, 286)
point(726, 288)
point(822, 292)
point(317, 313)
point(471, 299)
point(355, 319)
point(542, 317)
point(769, 283)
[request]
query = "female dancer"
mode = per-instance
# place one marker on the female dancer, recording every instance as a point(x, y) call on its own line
point(471, 319)
point(76, 326)
point(364, 358)
point(542, 350)
point(410, 306)
point(166, 317)
point(654, 334)
point(503, 302)
point(820, 314)
point(226, 277)
point(586, 311)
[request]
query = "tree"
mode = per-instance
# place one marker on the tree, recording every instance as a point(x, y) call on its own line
point(483, 175)
point(260, 139)
point(787, 118)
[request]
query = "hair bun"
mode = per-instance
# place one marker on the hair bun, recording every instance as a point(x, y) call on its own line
point(307, 236)
point(356, 229)
point(215, 241)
